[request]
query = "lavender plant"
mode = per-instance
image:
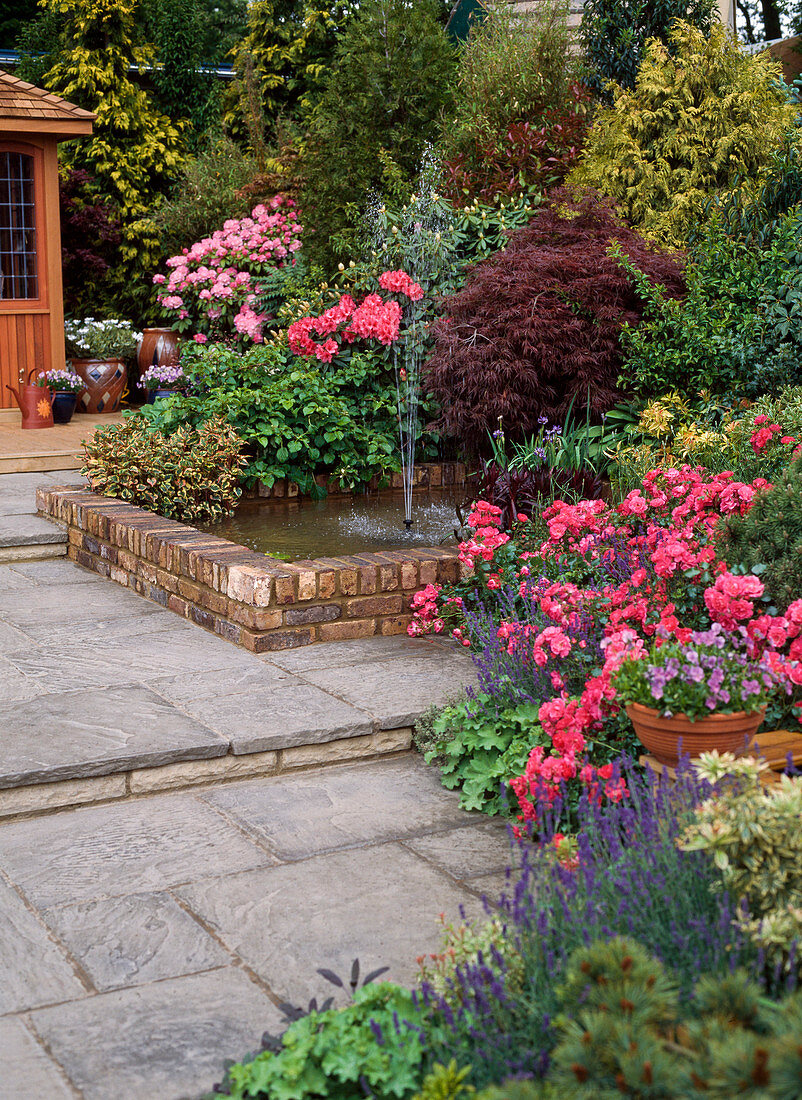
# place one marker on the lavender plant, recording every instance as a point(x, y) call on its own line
point(630, 878)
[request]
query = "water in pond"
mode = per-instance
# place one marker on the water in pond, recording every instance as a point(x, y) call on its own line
point(292, 529)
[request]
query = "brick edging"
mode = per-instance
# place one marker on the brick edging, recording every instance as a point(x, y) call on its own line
point(255, 601)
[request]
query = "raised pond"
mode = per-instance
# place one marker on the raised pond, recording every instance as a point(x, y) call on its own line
point(299, 529)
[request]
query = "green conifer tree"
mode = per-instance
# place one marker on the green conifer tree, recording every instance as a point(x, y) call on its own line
point(134, 150)
point(614, 34)
point(697, 124)
point(384, 96)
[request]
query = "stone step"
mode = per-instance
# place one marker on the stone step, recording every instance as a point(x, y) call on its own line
point(32, 798)
point(30, 538)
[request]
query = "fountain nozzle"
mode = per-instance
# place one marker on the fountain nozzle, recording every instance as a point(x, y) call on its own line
point(408, 524)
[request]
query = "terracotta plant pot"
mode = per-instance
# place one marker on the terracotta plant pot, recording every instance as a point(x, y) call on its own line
point(104, 381)
point(665, 737)
point(157, 348)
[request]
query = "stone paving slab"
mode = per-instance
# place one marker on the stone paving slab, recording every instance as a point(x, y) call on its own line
point(396, 691)
point(15, 686)
point(44, 607)
point(274, 718)
point(54, 572)
point(465, 853)
point(157, 1042)
point(378, 906)
point(27, 1070)
point(33, 970)
point(134, 940)
point(95, 733)
point(25, 530)
point(18, 491)
point(123, 848)
point(313, 812)
point(360, 651)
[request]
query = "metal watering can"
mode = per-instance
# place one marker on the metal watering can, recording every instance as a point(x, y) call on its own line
point(36, 404)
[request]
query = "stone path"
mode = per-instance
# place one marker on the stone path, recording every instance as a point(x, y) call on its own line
point(96, 681)
point(149, 936)
point(142, 943)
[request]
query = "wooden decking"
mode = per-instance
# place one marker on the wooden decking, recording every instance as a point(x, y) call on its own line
point(775, 746)
point(57, 448)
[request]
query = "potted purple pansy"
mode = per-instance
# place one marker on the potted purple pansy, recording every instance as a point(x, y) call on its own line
point(65, 386)
point(162, 379)
point(696, 696)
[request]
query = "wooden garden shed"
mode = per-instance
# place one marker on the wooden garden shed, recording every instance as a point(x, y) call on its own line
point(32, 123)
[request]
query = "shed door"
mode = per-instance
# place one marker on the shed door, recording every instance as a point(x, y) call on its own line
point(24, 312)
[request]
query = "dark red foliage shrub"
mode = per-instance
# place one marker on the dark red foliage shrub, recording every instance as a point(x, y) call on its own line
point(528, 156)
point(90, 237)
point(536, 326)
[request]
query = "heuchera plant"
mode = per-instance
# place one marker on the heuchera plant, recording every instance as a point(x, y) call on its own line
point(212, 287)
point(614, 579)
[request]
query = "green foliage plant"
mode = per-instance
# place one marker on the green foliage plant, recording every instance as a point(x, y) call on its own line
point(185, 90)
point(446, 1083)
point(769, 537)
point(738, 329)
point(702, 118)
point(190, 475)
point(462, 946)
point(624, 1031)
point(385, 91)
point(751, 831)
point(614, 34)
point(210, 188)
point(519, 114)
point(331, 1053)
point(479, 749)
point(134, 150)
point(296, 419)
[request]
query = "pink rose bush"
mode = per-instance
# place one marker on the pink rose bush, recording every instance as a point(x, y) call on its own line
point(212, 288)
point(606, 585)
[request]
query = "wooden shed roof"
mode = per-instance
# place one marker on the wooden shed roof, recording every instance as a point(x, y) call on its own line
point(26, 109)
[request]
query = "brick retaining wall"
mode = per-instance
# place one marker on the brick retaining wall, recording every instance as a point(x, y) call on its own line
point(257, 602)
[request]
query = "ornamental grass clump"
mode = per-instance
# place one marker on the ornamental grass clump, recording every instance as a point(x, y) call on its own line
point(695, 678)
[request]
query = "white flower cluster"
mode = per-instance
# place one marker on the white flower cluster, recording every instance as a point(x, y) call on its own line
point(109, 339)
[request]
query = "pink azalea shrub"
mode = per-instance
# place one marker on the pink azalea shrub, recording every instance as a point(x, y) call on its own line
point(212, 288)
point(607, 583)
point(374, 318)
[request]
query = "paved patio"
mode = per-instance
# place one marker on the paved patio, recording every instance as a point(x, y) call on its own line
point(147, 937)
point(143, 943)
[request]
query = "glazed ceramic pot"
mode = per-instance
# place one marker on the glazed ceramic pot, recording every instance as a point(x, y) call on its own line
point(63, 406)
point(157, 348)
point(104, 384)
point(664, 738)
point(155, 395)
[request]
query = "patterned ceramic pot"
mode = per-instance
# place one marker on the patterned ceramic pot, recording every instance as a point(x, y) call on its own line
point(104, 384)
point(664, 738)
point(157, 348)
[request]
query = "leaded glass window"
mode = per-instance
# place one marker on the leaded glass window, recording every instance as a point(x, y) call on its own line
point(18, 274)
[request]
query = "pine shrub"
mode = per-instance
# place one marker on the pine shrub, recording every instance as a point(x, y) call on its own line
point(769, 537)
point(536, 327)
point(702, 118)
